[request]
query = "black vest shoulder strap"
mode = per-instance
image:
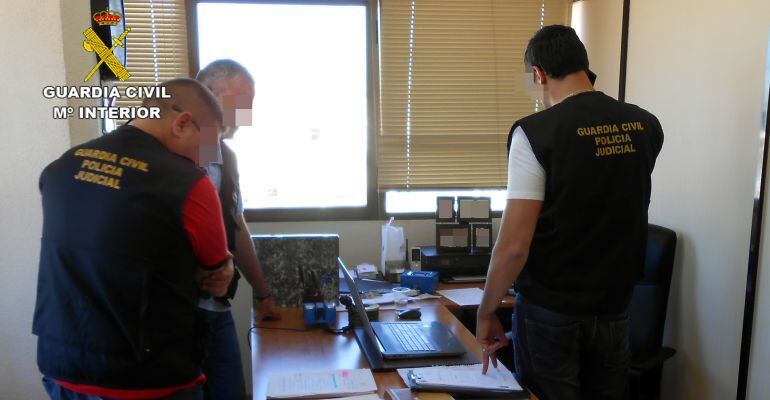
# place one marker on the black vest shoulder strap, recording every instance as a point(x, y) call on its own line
point(229, 191)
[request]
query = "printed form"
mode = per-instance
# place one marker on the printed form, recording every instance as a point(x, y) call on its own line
point(320, 384)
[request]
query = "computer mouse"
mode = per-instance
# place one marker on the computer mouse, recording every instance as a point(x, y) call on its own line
point(410, 313)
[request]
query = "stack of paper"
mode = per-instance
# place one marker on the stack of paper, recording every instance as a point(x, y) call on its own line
point(320, 384)
point(466, 376)
point(464, 297)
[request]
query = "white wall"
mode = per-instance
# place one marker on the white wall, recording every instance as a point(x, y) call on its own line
point(759, 362)
point(76, 17)
point(31, 42)
point(599, 24)
point(699, 66)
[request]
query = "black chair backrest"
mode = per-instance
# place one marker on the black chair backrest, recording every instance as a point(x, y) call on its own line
point(647, 312)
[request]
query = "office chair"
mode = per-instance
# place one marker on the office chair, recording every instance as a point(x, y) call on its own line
point(647, 315)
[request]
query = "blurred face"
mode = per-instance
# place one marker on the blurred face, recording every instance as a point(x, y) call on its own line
point(192, 140)
point(237, 100)
point(536, 83)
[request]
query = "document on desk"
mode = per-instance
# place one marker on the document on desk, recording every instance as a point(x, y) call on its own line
point(386, 298)
point(320, 384)
point(463, 297)
point(465, 376)
point(371, 396)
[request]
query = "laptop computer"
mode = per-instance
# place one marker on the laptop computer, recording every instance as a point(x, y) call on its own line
point(404, 339)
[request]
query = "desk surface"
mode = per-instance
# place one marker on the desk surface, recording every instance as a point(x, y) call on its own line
point(286, 346)
point(506, 303)
point(282, 350)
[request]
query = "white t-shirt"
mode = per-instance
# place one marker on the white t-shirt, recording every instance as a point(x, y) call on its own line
point(526, 177)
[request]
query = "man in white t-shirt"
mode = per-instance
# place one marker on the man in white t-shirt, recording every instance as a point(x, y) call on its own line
point(574, 230)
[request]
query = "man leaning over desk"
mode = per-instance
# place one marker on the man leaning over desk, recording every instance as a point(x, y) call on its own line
point(574, 230)
point(233, 85)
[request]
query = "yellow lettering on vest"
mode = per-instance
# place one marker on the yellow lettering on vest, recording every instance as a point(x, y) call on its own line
point(102, 167)
point(97, 154)
point(632, 126)
point(612, 139)
point(615, 149)
point(135, 164)
point(98, 179)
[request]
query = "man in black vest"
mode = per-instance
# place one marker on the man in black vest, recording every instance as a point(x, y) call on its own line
point(233, 85)
point(132, 231)
point(573, 233)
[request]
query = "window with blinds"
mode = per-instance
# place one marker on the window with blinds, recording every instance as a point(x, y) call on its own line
point(156, 47)
point(451, 85)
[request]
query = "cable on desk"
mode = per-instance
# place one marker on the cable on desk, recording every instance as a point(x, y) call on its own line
point(255, 327)
point(339, 331)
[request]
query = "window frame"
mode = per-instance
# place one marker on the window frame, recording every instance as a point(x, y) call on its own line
point(374, 208)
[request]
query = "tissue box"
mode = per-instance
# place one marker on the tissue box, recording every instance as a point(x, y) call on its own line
point(320, 313)
point(424, 281)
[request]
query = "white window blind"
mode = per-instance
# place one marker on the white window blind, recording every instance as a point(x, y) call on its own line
point(451, 85)
point(156, 47)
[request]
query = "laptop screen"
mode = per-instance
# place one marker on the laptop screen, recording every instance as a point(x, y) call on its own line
point(356, 295)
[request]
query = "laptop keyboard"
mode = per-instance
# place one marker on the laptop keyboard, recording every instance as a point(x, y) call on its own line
point(411, 338)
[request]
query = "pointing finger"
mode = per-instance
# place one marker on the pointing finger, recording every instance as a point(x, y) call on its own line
point(485, 361)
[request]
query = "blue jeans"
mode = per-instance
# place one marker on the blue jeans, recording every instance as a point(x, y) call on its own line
point(563, 357)
point(56, 392)
point(222, 363)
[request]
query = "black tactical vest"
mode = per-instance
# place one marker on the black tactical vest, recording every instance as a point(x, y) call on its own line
point(117, 299)
point(229, 191)
point(589, 245)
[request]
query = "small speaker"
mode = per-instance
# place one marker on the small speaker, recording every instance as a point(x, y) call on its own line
point(415, 256)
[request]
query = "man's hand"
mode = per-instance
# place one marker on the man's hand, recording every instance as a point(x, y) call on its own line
point(266, 309)
point(508, 258)
point(218, 281)
point(491, 337)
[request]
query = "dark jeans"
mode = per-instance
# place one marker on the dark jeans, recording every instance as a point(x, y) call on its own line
point(222, 365)
point(56, 392)
point(563, 357)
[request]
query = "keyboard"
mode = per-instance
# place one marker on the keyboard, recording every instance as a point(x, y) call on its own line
point(411, 338)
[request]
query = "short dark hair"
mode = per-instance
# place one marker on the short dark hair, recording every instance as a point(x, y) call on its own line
point(217, 73)
point(189, 95)
point(556, 49)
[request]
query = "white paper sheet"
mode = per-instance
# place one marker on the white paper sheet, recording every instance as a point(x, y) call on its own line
point(386, 298)
point(362, 397)
point(463, 297)
point(320, 384)
point(469, 376)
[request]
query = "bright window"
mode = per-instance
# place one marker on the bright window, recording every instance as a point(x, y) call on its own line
point(307, 147)
point(424, 201)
